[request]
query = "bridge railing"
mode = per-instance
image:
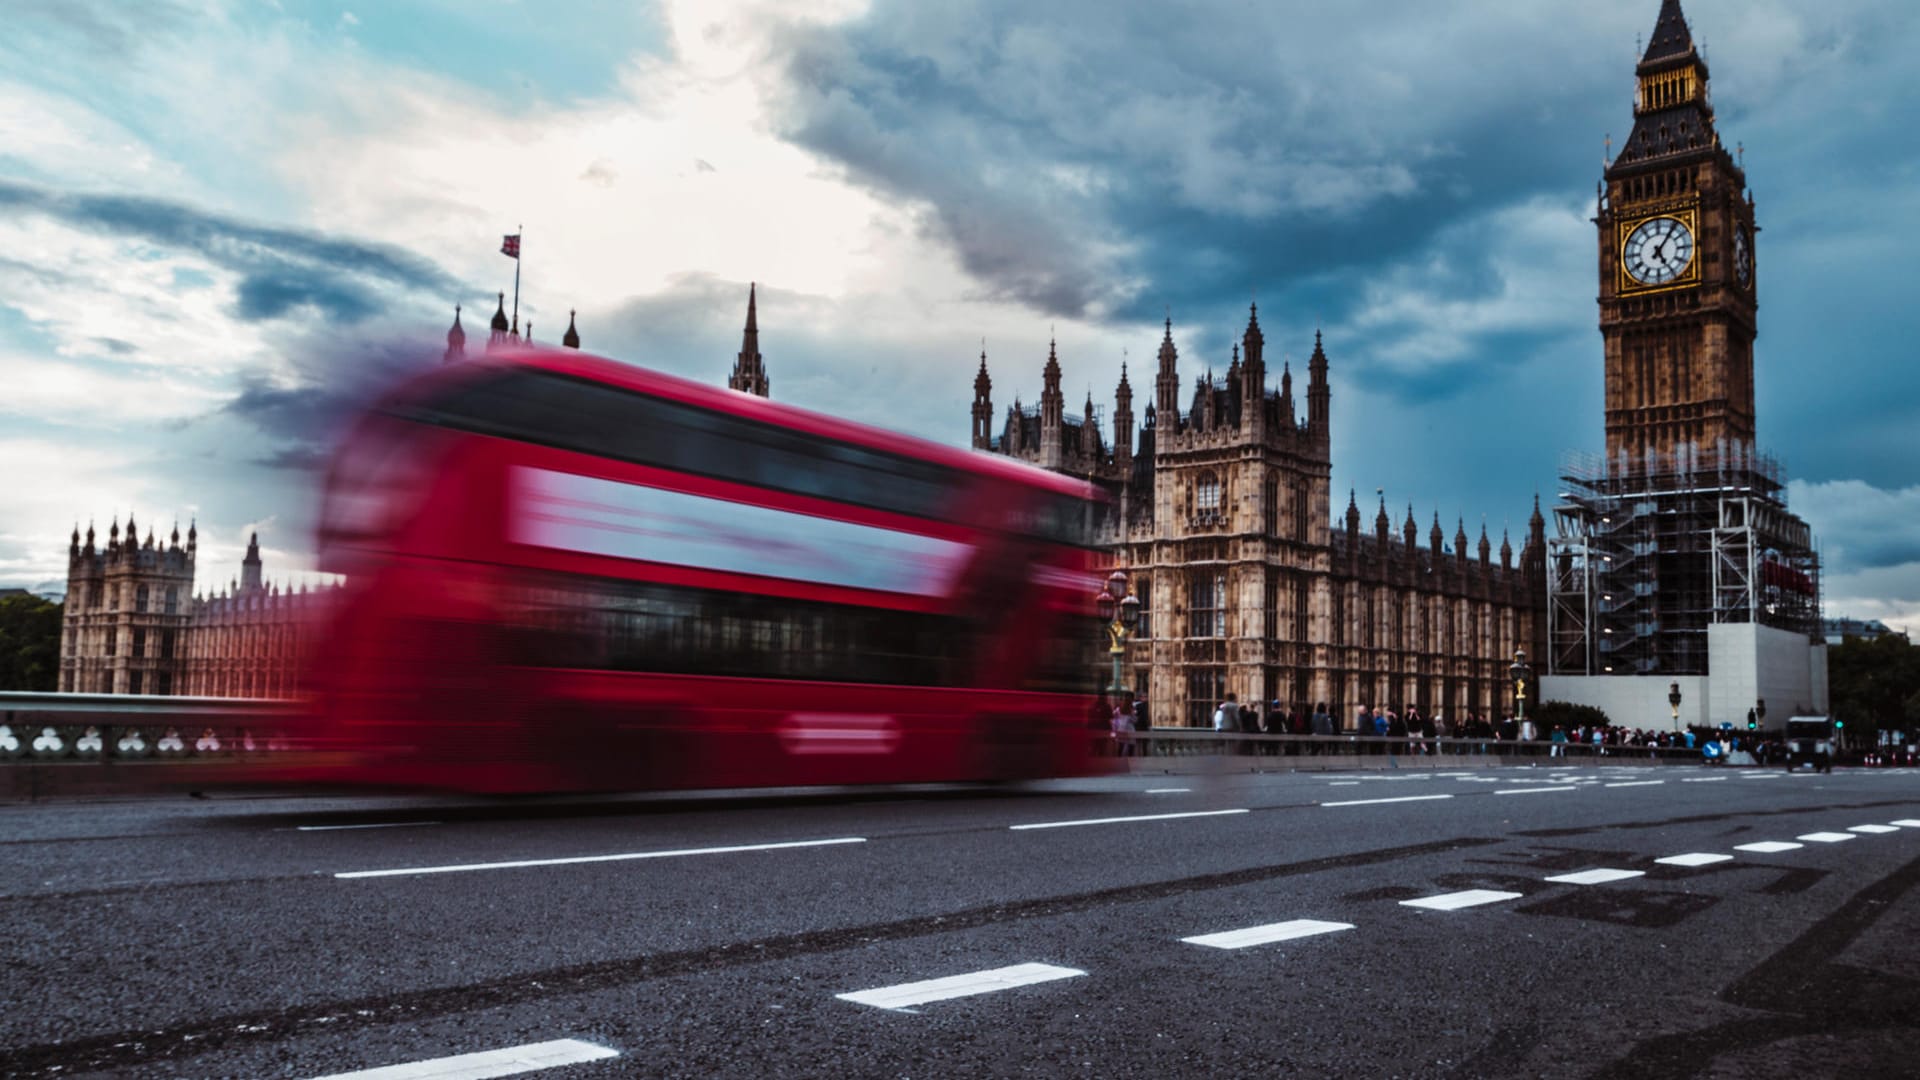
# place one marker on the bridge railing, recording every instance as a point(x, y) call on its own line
point(42, 727)
point(1192, 742)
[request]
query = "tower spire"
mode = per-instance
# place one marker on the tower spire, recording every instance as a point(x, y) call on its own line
point(749, 370)
point(456, 339)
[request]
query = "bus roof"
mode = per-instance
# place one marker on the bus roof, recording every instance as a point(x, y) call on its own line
point(576, 364)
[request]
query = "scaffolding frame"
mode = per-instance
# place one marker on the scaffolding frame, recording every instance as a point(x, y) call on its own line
point(1648, 553)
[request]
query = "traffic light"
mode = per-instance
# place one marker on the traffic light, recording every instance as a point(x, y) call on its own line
point(1752, 721)
point(1838, 724)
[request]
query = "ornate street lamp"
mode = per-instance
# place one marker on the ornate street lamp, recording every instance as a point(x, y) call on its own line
point(1120, 609)
point(1521, 671)
point(1673, 699)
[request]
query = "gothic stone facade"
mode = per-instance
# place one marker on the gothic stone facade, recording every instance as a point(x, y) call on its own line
point(1222, 517)
point(133, 625)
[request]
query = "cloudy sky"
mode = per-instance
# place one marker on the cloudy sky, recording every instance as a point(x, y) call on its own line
point(218, 217)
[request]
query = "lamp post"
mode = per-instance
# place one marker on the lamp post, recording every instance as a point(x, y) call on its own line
point(1673, 699)
point(1120, 609)
point(1521, 671)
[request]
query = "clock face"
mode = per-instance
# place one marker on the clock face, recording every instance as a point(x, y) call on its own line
point(1742, 257)
point(1658, 251)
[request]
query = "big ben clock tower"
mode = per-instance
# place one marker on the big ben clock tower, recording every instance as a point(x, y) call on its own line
point(1678, 576)
point(1677, 273)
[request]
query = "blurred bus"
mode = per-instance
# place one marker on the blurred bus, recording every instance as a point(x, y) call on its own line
point(565, 573)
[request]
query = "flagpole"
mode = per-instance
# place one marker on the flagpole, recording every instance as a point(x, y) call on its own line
point(519, 238)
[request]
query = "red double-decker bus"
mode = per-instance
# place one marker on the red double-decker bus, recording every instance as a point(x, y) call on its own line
point(565, 573)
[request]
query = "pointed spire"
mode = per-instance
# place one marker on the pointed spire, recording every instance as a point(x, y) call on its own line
point(1486, 545)
point(1381, 523)
point(1437, 539)
point(175, 538)
point(1460, 539)
point(1536, 523)
point(571, 339)
point(749, 369)
point(1671, 35)
point(1506, 549)
point(500, 315)
point(456, 339)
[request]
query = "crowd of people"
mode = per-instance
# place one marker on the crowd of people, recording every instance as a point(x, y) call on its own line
point(1422, 732)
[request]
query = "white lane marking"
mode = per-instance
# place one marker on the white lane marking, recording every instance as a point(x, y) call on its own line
point(1375, 802)
point(1761, 776)
point(1345, 783)
point(953, 986)
point(1637, 783)
point(1697, 858)
point(1872, 828)
point(1908, 823)
point(1261, 935)
point(1167, 790)
point(1122, 820)
point(1534, 790)
point(1767, 847)
point(1456, 900)
point(379, 825)
point(1827, 837)
point(509, 1062)
point(624, 857)
point(1597, 877)
point(1703, 780)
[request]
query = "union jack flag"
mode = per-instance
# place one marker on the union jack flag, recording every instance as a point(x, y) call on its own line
point(510, 246)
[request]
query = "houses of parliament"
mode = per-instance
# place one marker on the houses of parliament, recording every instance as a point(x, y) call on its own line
point(1220, 514)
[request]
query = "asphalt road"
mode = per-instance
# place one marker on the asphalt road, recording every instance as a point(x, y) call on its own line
point(308, 936)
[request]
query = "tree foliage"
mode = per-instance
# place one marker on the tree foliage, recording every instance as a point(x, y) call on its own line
point(29, 643)
point(1568, 715)
point(1874, 684)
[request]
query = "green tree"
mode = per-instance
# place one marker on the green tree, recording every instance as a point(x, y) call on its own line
point(1872, 682)
point(29, 643)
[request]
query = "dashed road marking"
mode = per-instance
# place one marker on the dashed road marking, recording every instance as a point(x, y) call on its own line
point(1597, 877)
point(1534, 790)
point(1456, 900)
point(1167, 790)
point(1697, 858)
point(1123, 820)
point(624, 857)
point(1637, 783)
point(1376, 802)
point(906, 995)
point(511, 1061)
point(1767, 847)
point(1908, 823)
point(1872, 828)
point(378, 825)
point(1262, 935)
point(1703, 780)
point(1827, 837)
point(1345, 783)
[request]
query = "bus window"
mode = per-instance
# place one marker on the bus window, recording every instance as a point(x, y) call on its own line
point(586, 417)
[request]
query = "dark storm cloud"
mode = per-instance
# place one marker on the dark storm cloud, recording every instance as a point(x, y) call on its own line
point(1088, 159)
point(280, 269)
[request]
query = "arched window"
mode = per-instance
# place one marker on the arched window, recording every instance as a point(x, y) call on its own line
point(1206, 606)
point(1206, 494)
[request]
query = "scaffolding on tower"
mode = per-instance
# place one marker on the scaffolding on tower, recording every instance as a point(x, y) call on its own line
point(1647, 554)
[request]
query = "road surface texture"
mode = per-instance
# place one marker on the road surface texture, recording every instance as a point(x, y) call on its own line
point(1596, 921)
